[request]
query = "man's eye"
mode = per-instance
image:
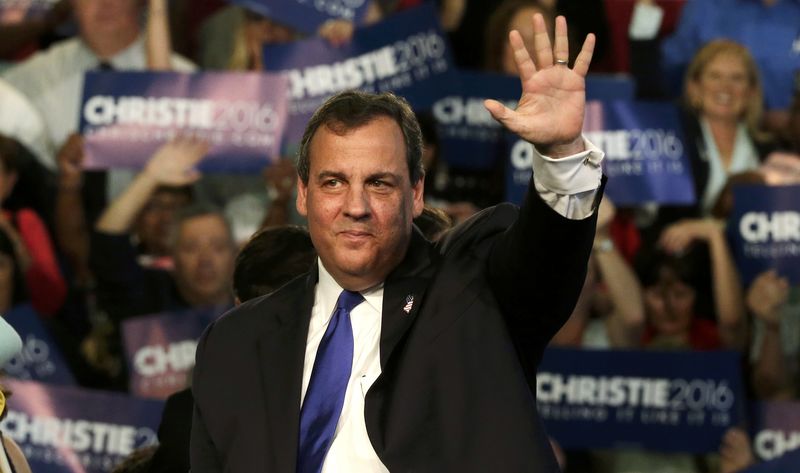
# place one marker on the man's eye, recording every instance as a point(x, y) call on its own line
point(332, 183)
point(378, 183)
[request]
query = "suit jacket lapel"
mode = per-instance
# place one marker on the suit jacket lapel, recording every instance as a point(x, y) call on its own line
point(404, 292)
point(281, 351)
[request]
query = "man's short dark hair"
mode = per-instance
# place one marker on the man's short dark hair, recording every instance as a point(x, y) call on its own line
point(353, 109)
point(198, 209)
point(272, 257)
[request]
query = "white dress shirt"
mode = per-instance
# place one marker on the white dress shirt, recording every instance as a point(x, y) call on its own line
point(351, 450)
point(744, 158)
point(568, 185)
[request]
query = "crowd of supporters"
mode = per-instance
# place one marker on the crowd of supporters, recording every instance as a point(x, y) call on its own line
point(89, 249)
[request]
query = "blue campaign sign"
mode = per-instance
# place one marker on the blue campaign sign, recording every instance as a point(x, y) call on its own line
point(788, 463)
point(70, 430)
point(126, 116)
point(406, 54)
point(764, 230)
point(160, 349)
point(519, 167)
point(775, 429)
point(607, 88)
point(307, 15)
point(645, 158)
point(662, 401)
point(468, 135)
point(40, 358)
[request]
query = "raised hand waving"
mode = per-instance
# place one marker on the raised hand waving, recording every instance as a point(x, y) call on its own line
point(550, 112)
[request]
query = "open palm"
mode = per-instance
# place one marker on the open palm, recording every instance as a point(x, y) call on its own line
point(551, 109)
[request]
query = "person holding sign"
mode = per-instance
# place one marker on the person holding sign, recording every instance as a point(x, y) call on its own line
point(111, 38)
point(394, 354)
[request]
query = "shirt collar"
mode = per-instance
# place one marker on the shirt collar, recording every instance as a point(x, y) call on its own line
point(132, 57)
point(328, 291)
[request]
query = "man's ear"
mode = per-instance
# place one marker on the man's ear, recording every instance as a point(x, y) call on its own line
point(419, 196)
point(302, 196)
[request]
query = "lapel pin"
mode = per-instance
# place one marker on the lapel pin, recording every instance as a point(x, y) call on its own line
point(409, 304)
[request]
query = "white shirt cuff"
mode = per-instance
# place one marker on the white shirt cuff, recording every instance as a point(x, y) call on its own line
point(645, 21)
point(569, 185)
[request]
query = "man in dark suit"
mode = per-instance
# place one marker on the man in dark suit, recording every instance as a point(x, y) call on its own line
point(394, 354)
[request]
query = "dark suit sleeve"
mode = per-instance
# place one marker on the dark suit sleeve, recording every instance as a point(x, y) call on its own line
point(203, 455)
point(536, 269)
point(174, 433)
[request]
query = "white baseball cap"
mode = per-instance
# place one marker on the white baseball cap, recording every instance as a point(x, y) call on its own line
point(10, 343)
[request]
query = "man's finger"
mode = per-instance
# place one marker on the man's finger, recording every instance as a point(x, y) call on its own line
point(543, 52)
point(562, 41)
point(525, 65)
point(500, 112)
point(584, 58)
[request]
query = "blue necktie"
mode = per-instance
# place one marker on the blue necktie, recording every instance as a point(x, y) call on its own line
point(325, 393)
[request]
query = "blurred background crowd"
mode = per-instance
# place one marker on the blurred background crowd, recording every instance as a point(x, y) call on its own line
point(90, 249)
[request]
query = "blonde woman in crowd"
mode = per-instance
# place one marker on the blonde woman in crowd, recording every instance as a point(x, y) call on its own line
point(723, 91)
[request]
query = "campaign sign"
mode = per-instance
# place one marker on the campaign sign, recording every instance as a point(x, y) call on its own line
point(40, 358)
point(307, 15)
point(662, 401)
point(788, 463)
point(765, 230)
point(406, 54)
point(605, 87)
point(126, 116)
point(64, 429)
point(468, 135)
point(16, 11)
point(645, 156)
point(775, 428)
point(160, 349)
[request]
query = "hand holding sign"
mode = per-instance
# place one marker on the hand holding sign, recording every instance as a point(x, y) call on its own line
point(337, 32)
point(551, 109)
point(735, 452)
point(173, 164)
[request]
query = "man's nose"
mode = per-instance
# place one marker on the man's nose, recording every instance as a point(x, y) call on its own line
point(356, 203)
point(205, 257)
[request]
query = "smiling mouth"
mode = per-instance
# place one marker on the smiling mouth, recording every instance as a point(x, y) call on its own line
point(356, 237)
point(355, 234)
point(723, 98)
